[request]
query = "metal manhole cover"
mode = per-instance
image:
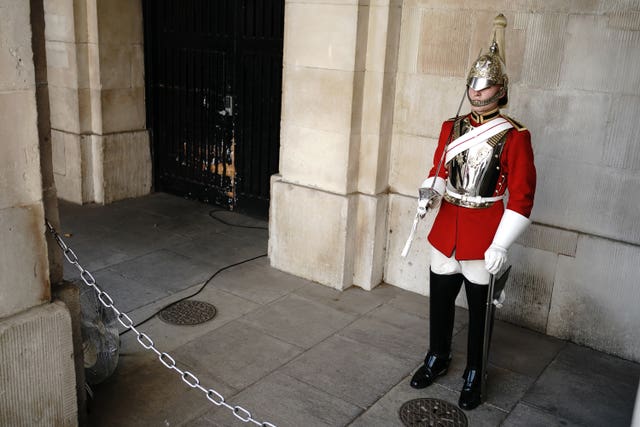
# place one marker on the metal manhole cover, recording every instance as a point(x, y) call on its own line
point(188, 312)
point(431, 413)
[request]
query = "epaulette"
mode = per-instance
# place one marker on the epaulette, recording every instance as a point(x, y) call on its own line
point(516, 124)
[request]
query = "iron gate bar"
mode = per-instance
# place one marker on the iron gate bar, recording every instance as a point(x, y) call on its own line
point(197, 52)
point(261, 47)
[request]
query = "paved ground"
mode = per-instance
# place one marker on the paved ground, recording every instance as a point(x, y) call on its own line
point(295, 353)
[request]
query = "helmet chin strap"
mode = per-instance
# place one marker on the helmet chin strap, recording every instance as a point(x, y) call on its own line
point(494, 98)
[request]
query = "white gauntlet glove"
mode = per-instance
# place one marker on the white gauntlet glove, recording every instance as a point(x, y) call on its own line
point(429, 198)
point(495, 258)
point(511, 227)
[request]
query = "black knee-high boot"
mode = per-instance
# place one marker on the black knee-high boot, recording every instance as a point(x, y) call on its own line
point(443, 290)
point(471, 396)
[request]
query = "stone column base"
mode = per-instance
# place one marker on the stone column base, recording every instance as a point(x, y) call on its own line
point(102, 168)
point(37, 378)
point(310, 233)
point(333, 239)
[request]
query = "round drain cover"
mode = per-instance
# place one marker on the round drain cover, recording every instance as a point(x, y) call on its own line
point(431, 413)
point(188, 312)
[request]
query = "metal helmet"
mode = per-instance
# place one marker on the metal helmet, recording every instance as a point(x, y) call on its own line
point(490, 69)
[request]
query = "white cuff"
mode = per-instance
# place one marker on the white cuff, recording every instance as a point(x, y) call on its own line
point(511, 227)
point(440, 184)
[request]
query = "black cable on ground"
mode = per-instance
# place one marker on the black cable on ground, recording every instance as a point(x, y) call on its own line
point(210, 277)
point(233, 225)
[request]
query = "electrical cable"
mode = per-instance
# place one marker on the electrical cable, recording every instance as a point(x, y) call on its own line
point(233, 225)
point(210, 277)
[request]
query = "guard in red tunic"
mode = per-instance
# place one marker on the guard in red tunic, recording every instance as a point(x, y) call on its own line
point(486, 156)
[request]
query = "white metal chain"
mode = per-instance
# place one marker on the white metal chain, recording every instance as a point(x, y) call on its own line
point(146, 342)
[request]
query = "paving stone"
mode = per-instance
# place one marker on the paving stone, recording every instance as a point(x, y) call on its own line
point(248, 238)
point(244, 222)
point(91, 219)
point(524, 415)
point(192, 224)
point(142, 392)
point(236, 354)
point(398, 334)
point(119, 227)
point(257, 281)
point(81, 228)
point(165, 204)
point(133, 219)
point(127, 294)
point(351, 300)
point(410, 302)
point(389, 292)
point(135, 242)
point(587, 387)
point(505, 388)
point(522, 350)
point(166, 270)
point(93, 255)
point(205, 222)
point(286, 402)
point(167, 337)
point(298, 321)
point(353, 371)
point(220, 250)
point(202, 421)
point(106, 248)
point(517, 349)
point(384, 413)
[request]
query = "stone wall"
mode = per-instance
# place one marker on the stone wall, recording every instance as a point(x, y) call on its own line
point(95, 60)
point(23, 252)
point(36, 370)
point(329, 203)
point(574, 69)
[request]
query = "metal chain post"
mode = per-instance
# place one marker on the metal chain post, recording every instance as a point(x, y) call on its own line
point(146, 342)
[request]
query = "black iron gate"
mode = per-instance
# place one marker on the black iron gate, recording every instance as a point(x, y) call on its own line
point(214, 83)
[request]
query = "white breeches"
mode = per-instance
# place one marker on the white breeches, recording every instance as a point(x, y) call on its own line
point(472, 270)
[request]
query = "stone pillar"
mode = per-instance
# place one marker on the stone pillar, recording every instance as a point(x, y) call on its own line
point(328, 204)
point(36, 374)
point(375, 131)
point(49, 194)
point(23, 261)
point(96, 77)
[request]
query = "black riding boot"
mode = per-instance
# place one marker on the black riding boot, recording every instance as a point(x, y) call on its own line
point(471, 394)
point(443, 290)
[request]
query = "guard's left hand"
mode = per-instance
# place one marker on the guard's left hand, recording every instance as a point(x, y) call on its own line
point(428, 199)
point(494, 258)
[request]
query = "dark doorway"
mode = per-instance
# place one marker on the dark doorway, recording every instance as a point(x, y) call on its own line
point(214, 84)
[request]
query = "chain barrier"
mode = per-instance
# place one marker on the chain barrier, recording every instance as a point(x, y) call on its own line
point(146, 342)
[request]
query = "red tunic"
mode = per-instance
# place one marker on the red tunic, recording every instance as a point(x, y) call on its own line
point(470, 231)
